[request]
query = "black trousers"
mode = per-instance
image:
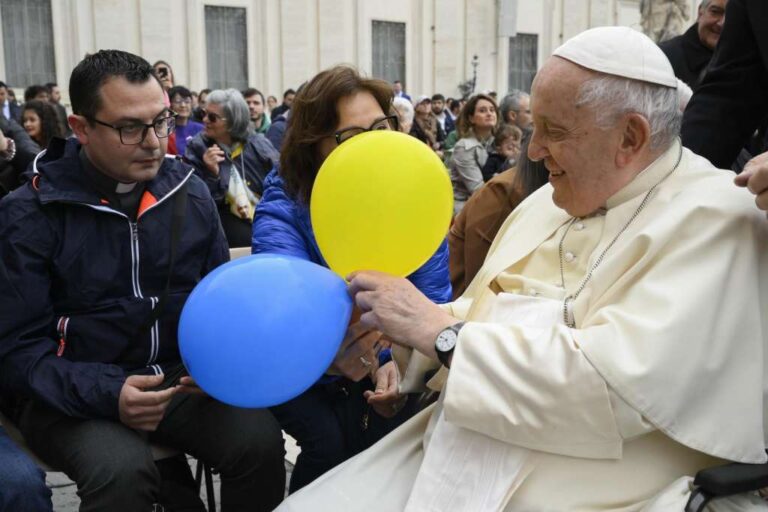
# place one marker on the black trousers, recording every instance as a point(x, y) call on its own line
point(331, 423)
point(238, 231)
point(113, 468)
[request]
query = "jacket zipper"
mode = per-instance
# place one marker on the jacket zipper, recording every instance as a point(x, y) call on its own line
point(62, 328)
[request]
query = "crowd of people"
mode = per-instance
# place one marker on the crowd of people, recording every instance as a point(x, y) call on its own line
point(588, 336)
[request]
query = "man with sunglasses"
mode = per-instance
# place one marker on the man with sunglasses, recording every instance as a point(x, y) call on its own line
point(100, 251)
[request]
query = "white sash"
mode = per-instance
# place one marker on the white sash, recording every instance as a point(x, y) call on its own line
point(467, 471)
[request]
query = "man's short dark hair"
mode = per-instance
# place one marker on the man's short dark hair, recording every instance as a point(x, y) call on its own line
point(95, 69)
point(252, 91)
point(397, 82)
point(50, 86)
point(3, 84)
point(32, 91)
point(289, 91)
point(179, 90)
point(438, 97)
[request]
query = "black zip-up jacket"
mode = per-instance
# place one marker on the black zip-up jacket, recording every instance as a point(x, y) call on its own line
point(79, 279)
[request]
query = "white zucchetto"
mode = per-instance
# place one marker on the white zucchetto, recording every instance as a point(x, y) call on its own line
point(619, 51)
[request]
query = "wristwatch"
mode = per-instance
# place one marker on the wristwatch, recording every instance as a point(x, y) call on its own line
point(446, 342)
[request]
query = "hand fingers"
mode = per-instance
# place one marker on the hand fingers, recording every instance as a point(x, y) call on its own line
point(365, 300)
point(187, 381)
point(364, 280)
point(148, 398)
point(144, 381)
point(370, 320)
point(742, 179)
point(762, 201)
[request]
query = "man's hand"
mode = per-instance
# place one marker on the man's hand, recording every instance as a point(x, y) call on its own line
point(3, 142)
point(357, 357)
point(212, 156)
point(398, 309)
point(386, 400)
point(755, 178)
point(188, 385)
point(143, 410)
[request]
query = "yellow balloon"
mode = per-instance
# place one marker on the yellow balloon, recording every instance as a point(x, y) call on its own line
point(381, 201)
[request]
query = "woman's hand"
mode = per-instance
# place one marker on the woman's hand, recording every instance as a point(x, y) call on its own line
point(358, 355)
point(386, 400)
point(212, 156)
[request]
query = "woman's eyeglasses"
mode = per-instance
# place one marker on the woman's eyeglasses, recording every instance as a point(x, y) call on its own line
point(212, 116)
point(382, 123)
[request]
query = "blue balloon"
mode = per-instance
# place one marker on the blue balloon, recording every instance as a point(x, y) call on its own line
point(260, 330)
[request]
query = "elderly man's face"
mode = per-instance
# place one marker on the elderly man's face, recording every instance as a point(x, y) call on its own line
point(579, 156)
point(710, 22)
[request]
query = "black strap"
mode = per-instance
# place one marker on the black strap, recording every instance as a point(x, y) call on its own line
point(177, 221)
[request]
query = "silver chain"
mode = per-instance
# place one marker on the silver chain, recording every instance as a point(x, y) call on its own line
point(568, 301)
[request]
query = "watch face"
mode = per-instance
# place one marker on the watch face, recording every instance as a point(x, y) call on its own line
point(446, 340)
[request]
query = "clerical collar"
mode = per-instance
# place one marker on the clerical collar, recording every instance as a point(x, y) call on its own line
point(648, 177)
point(124, 197)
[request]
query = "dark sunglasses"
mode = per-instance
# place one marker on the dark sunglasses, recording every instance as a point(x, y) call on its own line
point(212, 117)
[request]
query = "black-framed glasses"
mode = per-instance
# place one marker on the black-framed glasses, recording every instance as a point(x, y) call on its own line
point(382, 123)
point(211, 116)
point(135, 133)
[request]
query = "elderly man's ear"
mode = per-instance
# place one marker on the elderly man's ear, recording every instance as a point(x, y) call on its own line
point(635, 139)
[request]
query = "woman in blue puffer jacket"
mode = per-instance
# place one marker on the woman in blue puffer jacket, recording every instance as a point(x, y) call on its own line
point(356, 403)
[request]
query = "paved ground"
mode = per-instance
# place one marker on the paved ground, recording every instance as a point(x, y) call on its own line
point(65, 497)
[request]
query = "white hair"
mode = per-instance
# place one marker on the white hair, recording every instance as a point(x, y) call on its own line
point(612, 96)
point(684, 94)
point(404, 110)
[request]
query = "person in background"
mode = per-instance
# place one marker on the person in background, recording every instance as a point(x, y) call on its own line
point(202, 102)
point(17, 151)
point(255, 101)
point(691, 52)
point(181, 104)
point(397, 87)
point(475, 227)
point(425, 126)
point(515, 109)
point(36, 92)
point(54, 94)
point(40, 122)
point(287, 102)
point(357, 402)
point(476, 126)
point(233, 160)
point(11, 110)
point(164, 72)
point(505, 151)
point(441, 114)
point(405, 113)
point(271, 104)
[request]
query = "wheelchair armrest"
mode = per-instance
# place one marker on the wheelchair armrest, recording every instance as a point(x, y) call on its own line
point(732, 478)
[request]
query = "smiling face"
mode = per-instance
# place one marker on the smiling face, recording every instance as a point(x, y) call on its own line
point(580, 156)
point(124, 103)
point(710, 22)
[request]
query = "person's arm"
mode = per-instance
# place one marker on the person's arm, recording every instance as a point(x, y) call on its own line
point(29, 365)
point(731, 101)
point(194, 155)
point(467, 167)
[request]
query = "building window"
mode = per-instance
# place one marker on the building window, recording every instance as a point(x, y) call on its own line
point(28, 42)
point(389, 51)
point(523, 56)
point(227, 47)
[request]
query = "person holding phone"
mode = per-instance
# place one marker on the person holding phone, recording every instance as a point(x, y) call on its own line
point(164, 73)
point(357, 402)
point(233, 160)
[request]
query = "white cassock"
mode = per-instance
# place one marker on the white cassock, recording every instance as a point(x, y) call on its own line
point(662, 375)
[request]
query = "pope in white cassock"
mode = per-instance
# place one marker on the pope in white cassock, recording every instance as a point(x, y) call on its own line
point(613, 343)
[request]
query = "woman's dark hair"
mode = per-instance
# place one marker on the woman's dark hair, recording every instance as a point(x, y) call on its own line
point(463, 124)
point(163, 63)
point(49, 121)
point(314, 116)
point(95, 69)
point(179, 90)
point(531, 174)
